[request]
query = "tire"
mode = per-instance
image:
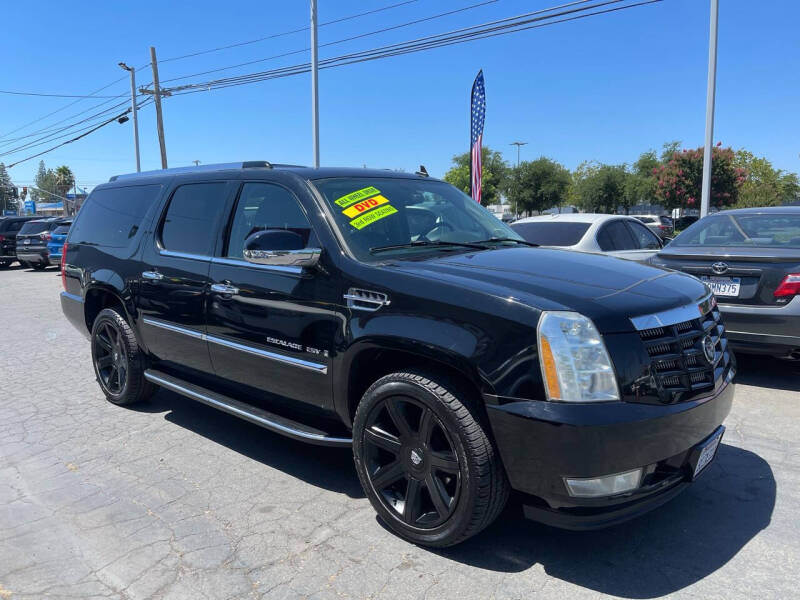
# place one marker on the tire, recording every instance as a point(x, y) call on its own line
point(4, 265)
point(119, 363)
point(24, 265)
point(416, 434)
point(39, 266)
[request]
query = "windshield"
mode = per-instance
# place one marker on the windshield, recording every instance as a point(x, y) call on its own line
point(773, 230)
point(551, 233)
point(373, 212)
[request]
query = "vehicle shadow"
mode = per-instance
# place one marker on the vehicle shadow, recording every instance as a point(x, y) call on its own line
point(657, 554)
point(321, 466)
point(768, 372)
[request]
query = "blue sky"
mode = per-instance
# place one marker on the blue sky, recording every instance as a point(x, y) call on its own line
point(604, 88)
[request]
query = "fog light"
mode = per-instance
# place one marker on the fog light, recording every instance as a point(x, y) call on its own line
point(609, 485)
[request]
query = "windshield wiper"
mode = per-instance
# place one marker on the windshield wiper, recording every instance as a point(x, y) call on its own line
point(506, 239)
point(424, 243)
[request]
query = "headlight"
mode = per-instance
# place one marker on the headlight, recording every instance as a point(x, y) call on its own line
point(574, 360)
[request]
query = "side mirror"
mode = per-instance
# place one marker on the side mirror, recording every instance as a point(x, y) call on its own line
point(281, 248)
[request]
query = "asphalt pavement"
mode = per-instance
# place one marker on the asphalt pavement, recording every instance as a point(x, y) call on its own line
point(173, 499)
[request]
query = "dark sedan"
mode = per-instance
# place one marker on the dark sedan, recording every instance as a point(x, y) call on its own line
point(751, 260)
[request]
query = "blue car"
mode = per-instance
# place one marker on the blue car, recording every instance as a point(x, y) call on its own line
point(56, 242)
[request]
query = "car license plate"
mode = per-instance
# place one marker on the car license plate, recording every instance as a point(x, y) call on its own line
point(707, 453)
point(26, 242)
point(724, 286)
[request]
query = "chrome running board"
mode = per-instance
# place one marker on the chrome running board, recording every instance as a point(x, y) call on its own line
point(266, 419)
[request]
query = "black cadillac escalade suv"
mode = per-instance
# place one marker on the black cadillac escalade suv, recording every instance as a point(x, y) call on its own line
point(390, 312)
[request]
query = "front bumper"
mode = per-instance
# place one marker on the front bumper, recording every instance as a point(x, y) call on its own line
point(541, 443)
point(763, 329)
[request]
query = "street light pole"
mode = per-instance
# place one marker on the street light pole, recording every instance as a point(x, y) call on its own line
point(314, 84)
point(705, 197)
point(132, 71)
point(517, 144)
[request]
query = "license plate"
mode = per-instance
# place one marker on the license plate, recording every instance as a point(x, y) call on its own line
point(707, 453)
point(724, 286)
point(26, 242)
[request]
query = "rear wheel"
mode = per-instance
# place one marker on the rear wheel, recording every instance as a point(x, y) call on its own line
point(4, 264)
point(39, 266)
point(118, 361)
point(425, 460)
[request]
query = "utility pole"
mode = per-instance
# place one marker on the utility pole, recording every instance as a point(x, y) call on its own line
point(314, 84)
point(132, 71)
point(517, 144)
point(705, 197)
point(159, 118)
point(196, 162)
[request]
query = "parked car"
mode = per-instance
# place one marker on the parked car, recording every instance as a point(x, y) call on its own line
point(57, 238)
point(32, 242)
point(615, 235)
point(682, 223)
point(751, 259)
point(9, 227)
point(391, 313)
point(662, 226)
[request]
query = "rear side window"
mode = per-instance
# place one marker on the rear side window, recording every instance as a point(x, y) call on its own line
point(190, 221)
point(645, 238)
point(615, 236)
point(34, 227)
point(111, 217)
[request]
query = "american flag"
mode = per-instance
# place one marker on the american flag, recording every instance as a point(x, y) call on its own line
point(478, 114)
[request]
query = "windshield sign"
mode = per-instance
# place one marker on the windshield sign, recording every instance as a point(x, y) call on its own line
point(381, 217)
point(743, 230)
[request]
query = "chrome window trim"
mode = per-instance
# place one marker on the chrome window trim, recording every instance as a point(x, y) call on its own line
point(218, 260)
point(679, 314)
point(282, 358)
point(243, 413)
point(173, 254)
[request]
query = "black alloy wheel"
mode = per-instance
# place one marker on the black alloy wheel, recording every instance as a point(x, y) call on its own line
point(119, 362)
point(111, 359)
point(425, 458)
point(411, 462)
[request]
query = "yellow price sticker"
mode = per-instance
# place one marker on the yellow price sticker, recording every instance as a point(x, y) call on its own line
point(372, 216)
point(356, 196)
point(362, 207)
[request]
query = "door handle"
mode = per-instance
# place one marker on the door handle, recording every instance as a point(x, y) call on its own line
point(152, 275)
point(224, 289)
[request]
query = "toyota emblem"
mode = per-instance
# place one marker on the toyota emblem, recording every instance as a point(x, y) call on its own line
point(708, 348)
point(719, 268)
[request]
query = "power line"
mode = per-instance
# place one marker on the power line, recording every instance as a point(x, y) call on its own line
point(485, 30)
point(341, 41)
point(285, 33)
point(52, 95)
point(76, 138)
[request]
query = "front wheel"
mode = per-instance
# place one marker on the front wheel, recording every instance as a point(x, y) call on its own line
point(425, 460)
point(39, 266)
point(118, 361)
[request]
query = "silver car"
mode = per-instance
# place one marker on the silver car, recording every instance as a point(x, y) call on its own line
point(615, 235)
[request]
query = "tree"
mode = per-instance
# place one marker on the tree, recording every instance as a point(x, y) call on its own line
point(494, 171)
point(64, 182)
point(8, 192)
point(538, 185)
point(640, 186)
point(601, 188)
point(764, 185)
point(679, 180)
point(45, 181)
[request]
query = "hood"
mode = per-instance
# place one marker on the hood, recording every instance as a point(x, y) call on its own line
point(608, 290)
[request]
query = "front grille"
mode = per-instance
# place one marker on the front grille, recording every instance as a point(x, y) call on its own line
point(679, 369)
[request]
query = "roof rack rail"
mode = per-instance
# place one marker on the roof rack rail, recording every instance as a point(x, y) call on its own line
point(248, 164)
